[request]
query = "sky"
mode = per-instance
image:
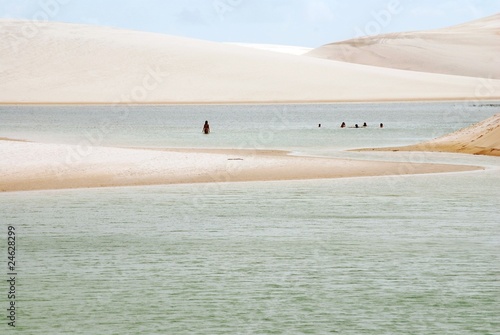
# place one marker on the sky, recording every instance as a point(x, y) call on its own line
point(307, 23)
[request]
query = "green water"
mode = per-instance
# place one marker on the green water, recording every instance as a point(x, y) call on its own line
point(382, 255)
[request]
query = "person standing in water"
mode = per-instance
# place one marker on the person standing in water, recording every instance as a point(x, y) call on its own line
point(206, 128)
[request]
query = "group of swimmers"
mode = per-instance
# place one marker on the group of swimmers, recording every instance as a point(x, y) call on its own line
point(206, 126)
point(343, 125)
point(357, 126)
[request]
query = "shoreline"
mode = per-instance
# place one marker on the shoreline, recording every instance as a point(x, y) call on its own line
point(37, 166)
point(455, 149)
point(12, 139)
point(493, 99)
point(482, 138)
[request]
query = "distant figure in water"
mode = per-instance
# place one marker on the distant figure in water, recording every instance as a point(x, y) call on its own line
point(356, 126)
point(365, 125)
point(319, 125)
point(206, 128)
point(342, 125)
point(381, 125)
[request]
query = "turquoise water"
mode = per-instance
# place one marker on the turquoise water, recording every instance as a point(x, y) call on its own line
point(383, 255)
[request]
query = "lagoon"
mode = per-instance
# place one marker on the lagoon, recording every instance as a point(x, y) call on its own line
point(402, 254)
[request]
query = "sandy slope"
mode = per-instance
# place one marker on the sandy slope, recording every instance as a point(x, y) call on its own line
point(67, 63)
point(471, 49)
point(32, 166)
point(482, 138)
point(286, 49)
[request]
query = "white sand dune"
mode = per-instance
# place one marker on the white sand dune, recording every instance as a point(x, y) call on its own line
point(68, 63)
point(482, 138)
point(471, 49)
point(32, 166)
point(286, 49)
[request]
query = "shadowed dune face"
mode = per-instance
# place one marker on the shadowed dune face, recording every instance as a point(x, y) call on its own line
point(471, 49)
point(68, 63)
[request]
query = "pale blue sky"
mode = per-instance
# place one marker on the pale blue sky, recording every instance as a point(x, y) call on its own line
point(307, 23)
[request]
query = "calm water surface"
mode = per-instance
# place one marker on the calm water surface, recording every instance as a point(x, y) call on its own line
point(383, 255)
point(290, 127)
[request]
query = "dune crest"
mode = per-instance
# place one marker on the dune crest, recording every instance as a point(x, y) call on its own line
point(70, 63)
point(471, 49)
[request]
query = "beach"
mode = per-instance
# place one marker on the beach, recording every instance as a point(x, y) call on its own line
point(482, 138)
point(86, 146)
point(35, 166)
